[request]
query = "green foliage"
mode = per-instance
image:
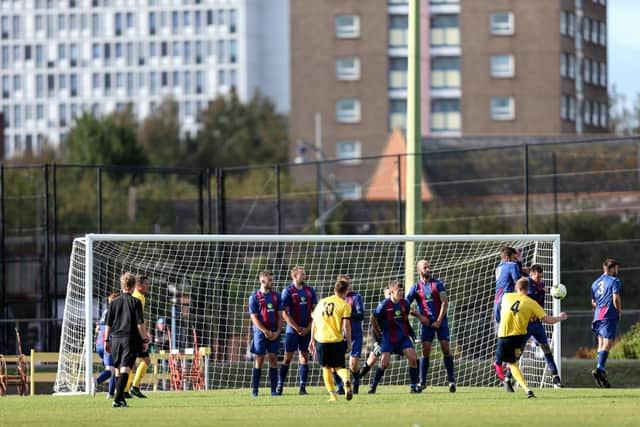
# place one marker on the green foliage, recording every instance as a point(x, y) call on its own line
point(628, 346)
point(235, 134)
point(109, 140)
point(159, 134)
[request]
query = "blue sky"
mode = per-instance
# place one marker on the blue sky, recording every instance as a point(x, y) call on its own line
point(624, 46)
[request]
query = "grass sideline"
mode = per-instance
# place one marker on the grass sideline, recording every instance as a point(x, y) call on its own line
point(391, 406)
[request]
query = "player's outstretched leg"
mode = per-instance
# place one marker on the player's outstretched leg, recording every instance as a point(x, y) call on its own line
point(517, 374)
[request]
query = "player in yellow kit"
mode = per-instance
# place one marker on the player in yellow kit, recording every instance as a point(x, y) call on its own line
point(330, 319)
point(517, 309)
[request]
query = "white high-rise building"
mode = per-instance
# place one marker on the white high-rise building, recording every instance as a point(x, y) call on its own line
point(59, 58)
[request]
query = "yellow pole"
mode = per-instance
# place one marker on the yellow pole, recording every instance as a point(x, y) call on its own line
point(413, 218)
point(32, 373)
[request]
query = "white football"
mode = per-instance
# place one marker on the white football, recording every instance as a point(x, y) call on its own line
point(558, 291)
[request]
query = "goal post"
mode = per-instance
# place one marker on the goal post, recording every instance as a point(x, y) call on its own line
point(200, 285)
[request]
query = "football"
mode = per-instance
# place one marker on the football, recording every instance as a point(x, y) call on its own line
point(558, 291)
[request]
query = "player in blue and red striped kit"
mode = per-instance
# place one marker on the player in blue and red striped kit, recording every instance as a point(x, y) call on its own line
point(536, 329)
point(264, 309)
point(507, 274)
point(605, 299)
point(390, 319)
point(431, 299)
point(298, 302)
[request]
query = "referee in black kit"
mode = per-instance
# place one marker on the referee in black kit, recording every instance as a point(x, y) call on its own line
point(125, 325)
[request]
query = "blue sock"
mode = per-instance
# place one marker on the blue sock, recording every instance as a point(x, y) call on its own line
point(602, 359)
point(284, 370)
point(413, 376)
point(337, 380)
point(424, 368)
point(551, 364)
point(103, 376)
point(112, 385)
point(303, 371)
point(377, 377)
point(273, 378)
point(448, 363)
point(256, 373)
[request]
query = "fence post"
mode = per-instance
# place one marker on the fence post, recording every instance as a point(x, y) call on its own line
point(220, 204)
point(319, 201)
point(54, 231)
point(201, 201)
point(99, 199)
point(3, 309)
point(556, 226)
point(526, 189)
point(209, 213)
point(278, 218)
point(46, 288)
point(399, 199)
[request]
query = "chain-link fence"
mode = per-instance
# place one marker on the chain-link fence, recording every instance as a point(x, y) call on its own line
point(586, 190)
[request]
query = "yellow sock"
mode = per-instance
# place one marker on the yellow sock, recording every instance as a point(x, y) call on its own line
point(343, 373)
point(328, 380)
point(517, 374)
point(129, 381)
point(140, 372)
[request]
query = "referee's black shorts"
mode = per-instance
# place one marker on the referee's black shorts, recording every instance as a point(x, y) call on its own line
point(143, 354)
point(124, 352)
point(510, 348)
point(331, 355)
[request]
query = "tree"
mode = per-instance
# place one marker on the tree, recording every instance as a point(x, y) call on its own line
point(235, 134)
point(622, 119)
point(159, 134)
point(109, 140)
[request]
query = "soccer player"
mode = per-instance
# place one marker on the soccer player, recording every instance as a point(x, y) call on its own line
point(142, 289)
point(536, 328)
point(517, 310)
point(376, 339)
point(391, 319)
point(605, 299)
point(330, 318)
point(507, 274)
point(106, 357)
point(431, 299)
point(264, 310)
point(298, 302)
point(125, 326)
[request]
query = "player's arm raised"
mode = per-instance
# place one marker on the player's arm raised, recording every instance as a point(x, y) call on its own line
point(554, 319)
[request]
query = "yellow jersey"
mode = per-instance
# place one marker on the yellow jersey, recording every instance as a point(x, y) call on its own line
point(138, 294)
point(327, 319)
point(516, 311)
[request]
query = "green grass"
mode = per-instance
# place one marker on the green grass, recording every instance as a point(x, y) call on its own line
point(391, 406)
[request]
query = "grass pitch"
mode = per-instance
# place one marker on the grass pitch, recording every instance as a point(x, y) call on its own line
point(391, 406)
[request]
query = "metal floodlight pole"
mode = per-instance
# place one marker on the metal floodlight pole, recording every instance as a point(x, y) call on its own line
point(413, 215)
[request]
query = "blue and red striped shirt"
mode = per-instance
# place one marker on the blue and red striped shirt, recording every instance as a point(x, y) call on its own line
point(299, 303)
point(393, 319)
point(427, 297)
point(266, 306)
point(354, 299)
point(507, 274)
point(602, 291)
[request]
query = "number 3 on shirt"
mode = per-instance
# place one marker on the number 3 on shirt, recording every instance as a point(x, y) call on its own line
point(328, 310)
point(515, 308)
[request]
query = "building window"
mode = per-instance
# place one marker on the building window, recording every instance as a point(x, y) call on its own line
point(501, 23)
point(503, 108)
point(587, 112)
point(348, 111)
point(348, 68)
point(594, 113)
point(603, 115)
point(572, 67)
point(571, 24)
point(398, 30)
point(398, 73)
point(347, 26)
point(350, 190)
point(502, 66)
point(349, 152)
point(586, 22)
point(595, 69)
point(572, 109)
point(398, 114)
point(232, 51)
point(445, 115)
point(445, 30)
point(563, 65)
point(587, 70)
point(445, 72)
point(594, 31)
point(603, 33)
point(603, 74)
point(564, 107)
point(117, 23)
point(563, 22)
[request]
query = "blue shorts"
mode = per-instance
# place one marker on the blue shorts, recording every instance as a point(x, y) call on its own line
point(536, 330)
point(396, 348)
point(260, 345)
point(293, 342)
point(106, 357)
point(605, 328)
point(427, 333)
point(356, 345)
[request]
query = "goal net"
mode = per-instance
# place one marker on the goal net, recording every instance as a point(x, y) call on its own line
point(200, 285)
